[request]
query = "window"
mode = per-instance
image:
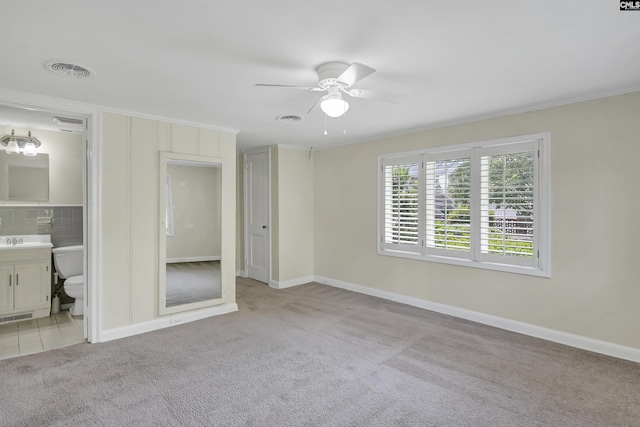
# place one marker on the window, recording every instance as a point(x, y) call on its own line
point(482, 204)
point(401, 204)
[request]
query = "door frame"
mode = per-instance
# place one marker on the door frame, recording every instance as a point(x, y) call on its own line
point(245, 191)
point(92, 179)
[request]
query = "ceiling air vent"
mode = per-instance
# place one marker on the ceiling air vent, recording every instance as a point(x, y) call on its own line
point(71, 70)
point(290, 118)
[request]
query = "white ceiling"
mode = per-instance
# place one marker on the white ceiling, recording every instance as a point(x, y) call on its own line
point(447, 61)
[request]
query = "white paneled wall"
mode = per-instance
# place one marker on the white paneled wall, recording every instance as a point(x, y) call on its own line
point(130, 211)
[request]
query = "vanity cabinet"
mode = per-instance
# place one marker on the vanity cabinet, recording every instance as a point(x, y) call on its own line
point(25, 284)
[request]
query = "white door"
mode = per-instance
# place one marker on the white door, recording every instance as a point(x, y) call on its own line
point(257, 246)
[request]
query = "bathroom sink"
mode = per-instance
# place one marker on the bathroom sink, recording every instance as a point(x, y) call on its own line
point(37, 241)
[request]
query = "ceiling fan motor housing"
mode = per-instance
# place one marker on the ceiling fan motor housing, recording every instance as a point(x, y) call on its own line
point(329, 72)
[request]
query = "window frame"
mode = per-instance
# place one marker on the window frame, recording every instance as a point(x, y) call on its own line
point(540, 266)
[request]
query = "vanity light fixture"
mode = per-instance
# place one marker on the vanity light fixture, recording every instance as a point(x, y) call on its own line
point(13, 144)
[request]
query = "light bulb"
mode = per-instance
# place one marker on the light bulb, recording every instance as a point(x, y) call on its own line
point(30, 149)
point(334, 105)
point(12, 147)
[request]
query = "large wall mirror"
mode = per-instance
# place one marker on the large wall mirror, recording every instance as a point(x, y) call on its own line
point(24, 178)
point(190, 232)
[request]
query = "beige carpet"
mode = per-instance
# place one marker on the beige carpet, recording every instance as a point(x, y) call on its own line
point(318, 356)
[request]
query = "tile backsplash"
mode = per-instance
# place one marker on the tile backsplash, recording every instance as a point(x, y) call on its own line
point(65, 230)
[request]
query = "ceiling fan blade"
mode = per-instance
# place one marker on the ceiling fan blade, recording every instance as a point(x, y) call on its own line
point(355, 73)
point(311, 89)
point(314, 105)
point(370, 94)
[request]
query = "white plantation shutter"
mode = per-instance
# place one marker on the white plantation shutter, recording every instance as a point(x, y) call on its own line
point(401, 205)
point(448, 214)
point(508, 200)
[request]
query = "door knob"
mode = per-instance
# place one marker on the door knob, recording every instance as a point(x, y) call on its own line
point(264, 226)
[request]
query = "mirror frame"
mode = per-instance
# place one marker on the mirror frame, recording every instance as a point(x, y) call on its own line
point(166, 157)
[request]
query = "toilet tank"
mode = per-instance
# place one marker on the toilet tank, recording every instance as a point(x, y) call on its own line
point(68, 261)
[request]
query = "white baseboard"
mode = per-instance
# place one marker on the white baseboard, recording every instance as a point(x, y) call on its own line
point(241, 273)
point(289, 283)
point(578, 341)
point(165, 322)
point(193, 259)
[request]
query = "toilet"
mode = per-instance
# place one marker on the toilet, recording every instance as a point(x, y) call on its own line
point(68, 261)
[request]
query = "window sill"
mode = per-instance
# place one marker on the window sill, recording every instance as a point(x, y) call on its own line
point(507, 268)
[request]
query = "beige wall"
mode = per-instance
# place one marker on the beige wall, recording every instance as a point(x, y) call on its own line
point(593, 290)
point(65, 163)
point(196, 212)
point(130, 211)
point(295, 214)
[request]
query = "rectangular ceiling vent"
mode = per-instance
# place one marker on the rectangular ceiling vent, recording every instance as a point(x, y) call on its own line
point(16, 317)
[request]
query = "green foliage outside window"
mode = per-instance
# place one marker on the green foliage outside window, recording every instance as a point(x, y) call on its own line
point(454, 233)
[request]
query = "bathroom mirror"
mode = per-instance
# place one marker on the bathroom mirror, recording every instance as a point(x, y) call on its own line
point(190, 243)
point(24, 178)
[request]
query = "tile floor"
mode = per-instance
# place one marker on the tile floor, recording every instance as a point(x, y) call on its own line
point(34, 336)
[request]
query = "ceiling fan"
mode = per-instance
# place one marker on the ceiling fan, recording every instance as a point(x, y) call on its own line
point(336, 78)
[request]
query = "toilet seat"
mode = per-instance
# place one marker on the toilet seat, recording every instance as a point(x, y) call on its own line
point(74, 281)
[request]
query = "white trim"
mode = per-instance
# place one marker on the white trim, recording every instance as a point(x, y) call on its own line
point(290, 283)
point(241, 273)
point(566, 338)
point(93, 229)
point(165, 322)
point(193, 259)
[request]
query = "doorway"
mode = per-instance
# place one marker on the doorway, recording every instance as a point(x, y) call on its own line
point(64, 215)
point(257, 191)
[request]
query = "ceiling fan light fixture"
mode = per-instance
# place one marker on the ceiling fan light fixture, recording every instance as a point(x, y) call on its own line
point(334, 105)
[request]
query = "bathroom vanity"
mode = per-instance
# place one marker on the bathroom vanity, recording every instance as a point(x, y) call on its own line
point(25, 277)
